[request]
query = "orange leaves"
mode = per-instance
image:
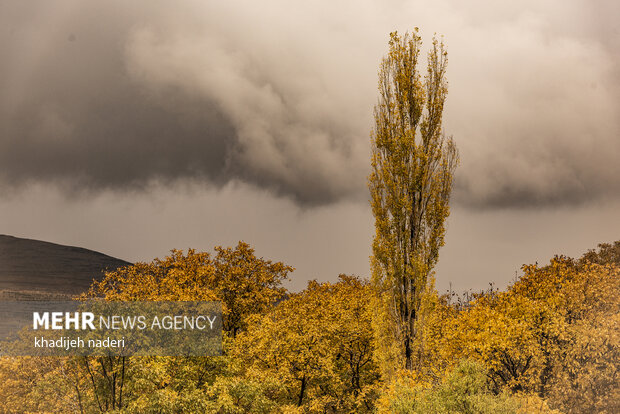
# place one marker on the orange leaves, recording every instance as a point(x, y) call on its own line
point(555, 332)
point(244, 283)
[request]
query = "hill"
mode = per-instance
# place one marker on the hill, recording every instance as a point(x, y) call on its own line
point(31, 269)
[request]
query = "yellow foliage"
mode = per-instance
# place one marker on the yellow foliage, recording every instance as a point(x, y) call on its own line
point(554, 333)
point(318, 345)
point(533, 404)
point(549, 344)
point(244, 283)
point(410, 184)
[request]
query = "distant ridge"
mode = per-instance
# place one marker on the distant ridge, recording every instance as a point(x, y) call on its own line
point(29, 267)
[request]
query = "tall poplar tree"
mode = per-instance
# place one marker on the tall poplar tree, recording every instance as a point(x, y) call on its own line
point(413, 163)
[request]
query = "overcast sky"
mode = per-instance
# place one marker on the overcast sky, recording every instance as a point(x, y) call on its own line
point(136, 127)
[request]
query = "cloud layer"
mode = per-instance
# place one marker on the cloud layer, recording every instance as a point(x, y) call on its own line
point(121, 95)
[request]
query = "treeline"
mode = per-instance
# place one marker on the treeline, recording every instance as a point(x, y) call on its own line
point(549, 343)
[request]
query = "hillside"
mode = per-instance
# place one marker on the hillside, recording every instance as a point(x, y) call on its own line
point(29, 268)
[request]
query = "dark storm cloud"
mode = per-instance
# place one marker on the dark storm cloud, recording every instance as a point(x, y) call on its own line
point(117, 95)
point(70, 112)
point(104, 97)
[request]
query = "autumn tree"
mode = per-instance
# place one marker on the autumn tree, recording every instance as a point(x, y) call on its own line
point(245, 284)
point(413, 163)
point(318, 345)
point(553, 334)
point(36, 385)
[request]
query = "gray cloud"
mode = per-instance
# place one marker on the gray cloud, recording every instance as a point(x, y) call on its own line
point(119, 95)
point(94, 102)
point(72, 114)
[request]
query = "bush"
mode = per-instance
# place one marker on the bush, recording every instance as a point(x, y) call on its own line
point(464, 391)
